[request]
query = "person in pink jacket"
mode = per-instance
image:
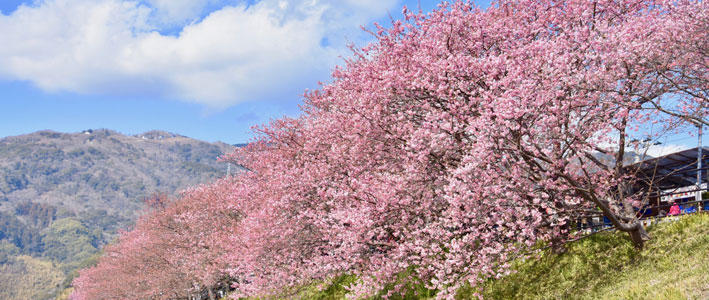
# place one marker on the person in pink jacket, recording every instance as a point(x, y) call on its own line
point(674, 210)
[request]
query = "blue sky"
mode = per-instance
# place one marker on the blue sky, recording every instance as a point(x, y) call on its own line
point(208, 69)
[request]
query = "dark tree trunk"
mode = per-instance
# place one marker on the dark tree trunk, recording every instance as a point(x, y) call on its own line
point(638, 236)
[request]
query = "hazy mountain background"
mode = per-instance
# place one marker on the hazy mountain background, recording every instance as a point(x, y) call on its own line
point(65, 195)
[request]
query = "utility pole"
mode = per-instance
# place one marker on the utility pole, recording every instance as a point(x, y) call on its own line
point(699, 165)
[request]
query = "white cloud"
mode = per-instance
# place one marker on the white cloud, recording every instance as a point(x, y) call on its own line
point(233, 54)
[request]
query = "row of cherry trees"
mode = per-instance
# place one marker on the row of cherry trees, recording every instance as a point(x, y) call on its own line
point(458, 141)
point(176, 250)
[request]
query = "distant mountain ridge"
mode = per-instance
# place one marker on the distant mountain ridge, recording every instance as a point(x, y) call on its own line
point(64, 195)
point(102, 169)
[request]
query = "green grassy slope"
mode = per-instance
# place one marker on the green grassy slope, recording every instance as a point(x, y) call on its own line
point(673, 265)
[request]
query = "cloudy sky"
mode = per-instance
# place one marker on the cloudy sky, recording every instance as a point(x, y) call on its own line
point(208, 69)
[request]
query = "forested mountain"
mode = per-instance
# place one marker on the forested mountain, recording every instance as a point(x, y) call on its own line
point(65, 195)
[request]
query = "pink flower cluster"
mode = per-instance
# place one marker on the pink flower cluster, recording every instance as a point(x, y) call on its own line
point(174, 251)
point(458, 141)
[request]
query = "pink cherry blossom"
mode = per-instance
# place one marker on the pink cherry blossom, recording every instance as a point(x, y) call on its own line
point(457, 141)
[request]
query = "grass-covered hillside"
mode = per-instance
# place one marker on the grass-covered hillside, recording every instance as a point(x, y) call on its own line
point(673, 265)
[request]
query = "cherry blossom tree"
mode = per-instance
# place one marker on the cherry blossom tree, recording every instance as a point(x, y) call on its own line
point(174, 251)
point(463, 137)
point(456, 142)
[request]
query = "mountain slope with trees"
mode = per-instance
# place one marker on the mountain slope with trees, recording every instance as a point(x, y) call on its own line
point(65, 195)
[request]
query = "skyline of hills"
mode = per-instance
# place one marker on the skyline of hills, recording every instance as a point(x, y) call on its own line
point(69, 169)
point(65, 195)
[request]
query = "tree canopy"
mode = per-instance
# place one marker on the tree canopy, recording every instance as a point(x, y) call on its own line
point(457, 141)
